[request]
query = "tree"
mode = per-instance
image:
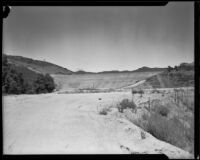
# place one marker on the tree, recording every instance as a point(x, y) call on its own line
point(13, 81)
point(44, 84)
point(39, 84)
point(50, 85)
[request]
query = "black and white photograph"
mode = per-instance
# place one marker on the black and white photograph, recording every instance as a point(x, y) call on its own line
point(98, 80)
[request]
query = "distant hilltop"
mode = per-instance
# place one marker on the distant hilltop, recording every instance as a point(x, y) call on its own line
point(142, 69)
point(50, 68)
point(37, 65)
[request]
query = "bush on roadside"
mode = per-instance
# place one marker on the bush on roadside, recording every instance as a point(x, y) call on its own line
point(134, 91)
point(162, 110)
point(104, 111)
point(125, 103)
point(137, 91)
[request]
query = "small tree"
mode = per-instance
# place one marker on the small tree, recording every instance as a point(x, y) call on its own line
point(39, 84)
point(44, 84)
point(12, 81)
point(50, 85)
point(125, 103)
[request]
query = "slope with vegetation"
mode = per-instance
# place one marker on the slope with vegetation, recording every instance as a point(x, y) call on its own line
point(20, 80)
point(179, 76)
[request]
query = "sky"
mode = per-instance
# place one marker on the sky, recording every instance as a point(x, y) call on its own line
point(101, 38)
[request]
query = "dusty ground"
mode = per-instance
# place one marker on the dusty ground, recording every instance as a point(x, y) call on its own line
point(71, 123)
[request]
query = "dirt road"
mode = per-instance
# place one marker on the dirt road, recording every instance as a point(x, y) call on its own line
point(71, 123)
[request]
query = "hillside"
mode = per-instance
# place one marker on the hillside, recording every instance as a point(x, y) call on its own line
point(37, 66)
point(29, 76)
point(18, 79)
point(47, 67)
point(175, 79)
point(148, 69)
point(179, 76)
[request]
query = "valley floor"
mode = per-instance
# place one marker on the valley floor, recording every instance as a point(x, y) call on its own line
point(71, 124)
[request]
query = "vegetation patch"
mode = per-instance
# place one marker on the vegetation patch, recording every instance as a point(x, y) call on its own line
point(104, 111)
point(162, 110)
point(168, 130)
point(15, 81)
point(125, 103)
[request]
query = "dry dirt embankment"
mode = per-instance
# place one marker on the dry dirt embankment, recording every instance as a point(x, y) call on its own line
point(71, 123)
point(99, 81)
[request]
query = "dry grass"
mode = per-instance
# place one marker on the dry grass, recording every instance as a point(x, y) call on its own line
point(171, 131)
point(169, 120)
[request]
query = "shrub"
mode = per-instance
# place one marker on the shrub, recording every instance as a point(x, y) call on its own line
point(125, 103)
point(44, 84)
point(145, 117)
point(134, 91)
point(104, 111)
point(155, 91)
point(137, 91)
point(12, 81)
point(141, 92)
point(162, 110)
point(169, 68)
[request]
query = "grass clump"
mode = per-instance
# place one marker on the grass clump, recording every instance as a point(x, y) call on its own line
point(104, 111)
point(155, 91)
point(162, 110)
point(134, 91)
point(125, 103)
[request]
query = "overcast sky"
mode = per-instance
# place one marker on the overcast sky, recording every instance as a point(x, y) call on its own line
point(102, 38)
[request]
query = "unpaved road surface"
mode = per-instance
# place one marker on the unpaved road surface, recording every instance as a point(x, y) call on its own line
point(71, 123)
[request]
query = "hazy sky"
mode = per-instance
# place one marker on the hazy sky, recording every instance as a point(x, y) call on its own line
point(102, 38)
